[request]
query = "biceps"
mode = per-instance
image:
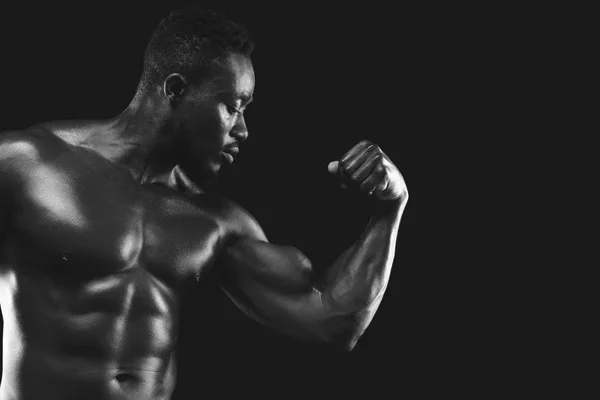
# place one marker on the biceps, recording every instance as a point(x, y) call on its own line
point(282, 269)
point(272, 284)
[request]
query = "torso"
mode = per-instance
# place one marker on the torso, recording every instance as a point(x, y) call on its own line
point(92, 269)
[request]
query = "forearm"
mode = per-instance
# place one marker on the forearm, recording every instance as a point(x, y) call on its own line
point(359, 277)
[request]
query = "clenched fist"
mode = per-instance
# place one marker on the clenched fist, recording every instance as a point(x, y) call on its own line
point(366, 167)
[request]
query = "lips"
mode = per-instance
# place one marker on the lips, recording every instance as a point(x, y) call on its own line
point(230, 153)
point(232, 150)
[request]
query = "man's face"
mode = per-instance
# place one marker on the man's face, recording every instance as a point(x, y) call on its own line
point(210, 121)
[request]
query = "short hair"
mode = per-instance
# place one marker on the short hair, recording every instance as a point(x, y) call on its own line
point(190, 41)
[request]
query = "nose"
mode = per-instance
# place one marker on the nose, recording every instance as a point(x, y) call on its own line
point(240, 130)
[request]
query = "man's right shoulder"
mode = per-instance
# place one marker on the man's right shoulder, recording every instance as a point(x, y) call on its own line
point(22, 149)
point(28, 142)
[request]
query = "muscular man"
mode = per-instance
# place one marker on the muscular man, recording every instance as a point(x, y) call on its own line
point(104, 225)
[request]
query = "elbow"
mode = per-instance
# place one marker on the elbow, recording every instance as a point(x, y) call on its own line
point(344, 342)
point(342, 333)
point(347, 345)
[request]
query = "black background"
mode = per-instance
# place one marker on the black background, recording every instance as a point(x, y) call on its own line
point(420, 82)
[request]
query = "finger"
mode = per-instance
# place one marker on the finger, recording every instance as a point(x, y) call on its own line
point(333, 167)
point(356, 149)
point(351, 164)
point(376, 182)
point(364, 170)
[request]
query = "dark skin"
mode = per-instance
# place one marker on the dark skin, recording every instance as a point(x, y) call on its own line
point(105, 224)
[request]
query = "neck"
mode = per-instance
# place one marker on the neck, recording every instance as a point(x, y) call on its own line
point(175, 179)
point(137, 138)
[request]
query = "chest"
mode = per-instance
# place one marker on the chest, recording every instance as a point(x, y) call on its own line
point(98, 221)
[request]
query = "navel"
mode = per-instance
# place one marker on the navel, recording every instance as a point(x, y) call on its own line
point(124, 378)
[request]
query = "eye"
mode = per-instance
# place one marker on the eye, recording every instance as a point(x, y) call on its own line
point(232, 110)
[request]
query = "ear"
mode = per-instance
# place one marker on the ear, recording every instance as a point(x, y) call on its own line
point(174, 86)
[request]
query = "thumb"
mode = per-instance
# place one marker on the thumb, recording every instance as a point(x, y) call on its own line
point(333, 167)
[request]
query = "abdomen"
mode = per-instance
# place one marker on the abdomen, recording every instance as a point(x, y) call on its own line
point(112, 337)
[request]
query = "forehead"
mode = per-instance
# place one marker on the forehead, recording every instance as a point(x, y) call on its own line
point(235, 76)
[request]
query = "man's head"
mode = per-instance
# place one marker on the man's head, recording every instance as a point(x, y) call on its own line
point(199, 62)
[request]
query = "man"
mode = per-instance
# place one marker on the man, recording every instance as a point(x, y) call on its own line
point(105, 224)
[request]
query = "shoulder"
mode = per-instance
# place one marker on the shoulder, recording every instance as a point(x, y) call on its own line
point(249, 252)
point(23, 153)
point(237, 221)
point(31, 142)
point(22, 149)
point(249, 240)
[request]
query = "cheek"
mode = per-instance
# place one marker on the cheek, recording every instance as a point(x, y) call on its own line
point(210, 124)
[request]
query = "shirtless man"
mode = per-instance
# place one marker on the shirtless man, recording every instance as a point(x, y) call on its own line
point(105, 224)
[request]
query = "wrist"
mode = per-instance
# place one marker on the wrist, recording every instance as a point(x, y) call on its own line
point(391, 205)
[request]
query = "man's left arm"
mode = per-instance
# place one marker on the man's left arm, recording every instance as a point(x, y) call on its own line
point(274, 284)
